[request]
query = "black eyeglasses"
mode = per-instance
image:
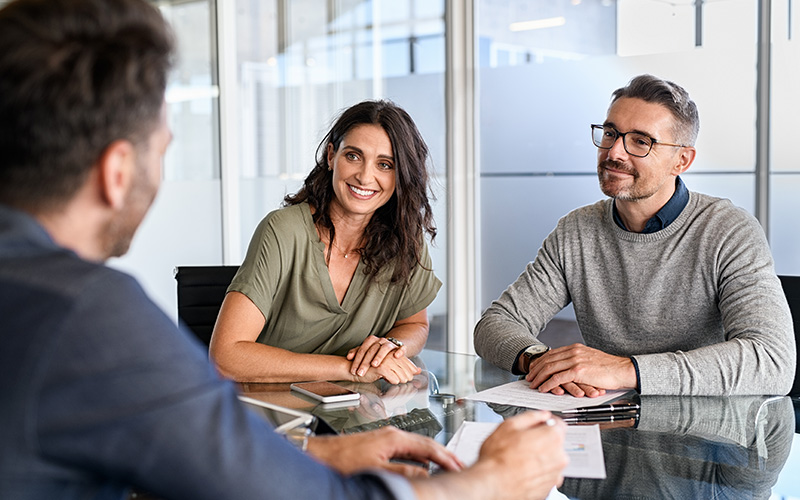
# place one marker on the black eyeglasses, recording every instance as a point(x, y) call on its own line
point(635, 143)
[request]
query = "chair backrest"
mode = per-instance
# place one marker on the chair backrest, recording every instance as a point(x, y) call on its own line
point(791, 287)
point(201, 290)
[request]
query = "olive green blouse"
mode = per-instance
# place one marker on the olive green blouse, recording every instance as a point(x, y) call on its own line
point(285, 275)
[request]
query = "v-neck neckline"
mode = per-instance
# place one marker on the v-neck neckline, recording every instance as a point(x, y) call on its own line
point(356, 283)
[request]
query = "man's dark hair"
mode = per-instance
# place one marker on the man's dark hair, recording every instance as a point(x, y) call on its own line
point(75, 75)
point(395, 231)
point(670, 95)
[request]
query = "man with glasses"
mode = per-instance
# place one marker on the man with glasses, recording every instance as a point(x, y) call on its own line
point(674, 291)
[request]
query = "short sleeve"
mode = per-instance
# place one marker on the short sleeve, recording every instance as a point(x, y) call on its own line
point(422, 288)
point(260, 273)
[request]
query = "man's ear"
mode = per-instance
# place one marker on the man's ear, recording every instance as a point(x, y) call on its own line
point(685, 159)
point(116, 169)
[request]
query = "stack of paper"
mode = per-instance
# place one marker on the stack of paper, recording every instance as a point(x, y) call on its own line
point(519, 393)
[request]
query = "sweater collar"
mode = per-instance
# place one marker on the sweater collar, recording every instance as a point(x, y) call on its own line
point(667, 214)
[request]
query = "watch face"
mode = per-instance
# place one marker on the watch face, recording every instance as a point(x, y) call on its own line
point(537, 349)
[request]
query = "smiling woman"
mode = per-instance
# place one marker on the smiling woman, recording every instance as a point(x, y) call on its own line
point(336, 284)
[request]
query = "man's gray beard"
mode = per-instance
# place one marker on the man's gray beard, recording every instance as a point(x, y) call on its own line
point(601, 167)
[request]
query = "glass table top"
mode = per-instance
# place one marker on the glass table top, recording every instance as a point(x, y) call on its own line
point(680, 447)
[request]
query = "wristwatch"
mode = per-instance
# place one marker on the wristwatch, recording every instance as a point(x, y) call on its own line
point(535, 351)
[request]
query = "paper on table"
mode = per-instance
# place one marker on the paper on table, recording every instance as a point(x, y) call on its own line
point(582, 444)
point(466, 445)
point(466, 442)
point(519, 393)
point(585, 450)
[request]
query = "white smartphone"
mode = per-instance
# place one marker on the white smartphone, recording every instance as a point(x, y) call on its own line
point(327, 392)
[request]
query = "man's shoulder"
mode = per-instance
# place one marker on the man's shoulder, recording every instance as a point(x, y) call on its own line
point(38, 275)
point(704, 200)
point(714, 219)
point(57, 299)
point(592, 212)
point(63, 273)
point(707, 206)
point(89, 306)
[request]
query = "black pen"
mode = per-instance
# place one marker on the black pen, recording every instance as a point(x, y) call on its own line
point(601, 408)
point(613, 417)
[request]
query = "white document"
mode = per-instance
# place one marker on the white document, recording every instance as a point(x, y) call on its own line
point(585, 450)
point(519, 393)
point(466, 442)
point(582, 444)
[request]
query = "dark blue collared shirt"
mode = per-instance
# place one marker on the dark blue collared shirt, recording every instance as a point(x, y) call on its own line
point(668, 213)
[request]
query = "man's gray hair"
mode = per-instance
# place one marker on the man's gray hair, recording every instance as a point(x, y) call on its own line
point(670, 95)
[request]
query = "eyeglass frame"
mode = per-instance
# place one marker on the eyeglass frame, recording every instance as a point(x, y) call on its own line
point(620, 135)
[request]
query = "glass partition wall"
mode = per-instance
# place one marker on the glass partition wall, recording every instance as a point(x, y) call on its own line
point(544, 70)
point(300, 62)
point(784, 179)
point(547, 69)
point(184, 226)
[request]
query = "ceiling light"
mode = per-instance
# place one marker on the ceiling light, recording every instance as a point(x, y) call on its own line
point(550, 22)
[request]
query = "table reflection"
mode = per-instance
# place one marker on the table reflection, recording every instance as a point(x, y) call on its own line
point(699, 447)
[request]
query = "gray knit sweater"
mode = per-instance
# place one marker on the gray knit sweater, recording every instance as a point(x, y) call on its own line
point(697, 304)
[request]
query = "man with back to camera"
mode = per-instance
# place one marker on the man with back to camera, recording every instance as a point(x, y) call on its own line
point(674, 291)
point(99, 390)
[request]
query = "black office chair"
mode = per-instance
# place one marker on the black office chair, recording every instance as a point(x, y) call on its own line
point(201, 290)
point(791, 287)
